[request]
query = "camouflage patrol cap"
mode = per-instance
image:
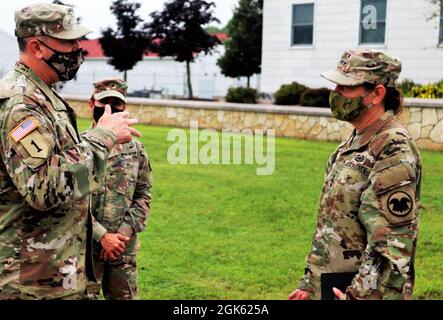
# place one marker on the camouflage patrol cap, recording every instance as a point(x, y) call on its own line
point(112, 87)
point(54, 20)
point(365, 65)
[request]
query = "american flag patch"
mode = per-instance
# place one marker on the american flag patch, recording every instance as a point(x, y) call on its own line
point(23, 129)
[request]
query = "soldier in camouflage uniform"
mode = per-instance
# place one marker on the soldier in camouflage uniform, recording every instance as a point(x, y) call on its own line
point(121, 206)
point(47, 172)
point(367, 222)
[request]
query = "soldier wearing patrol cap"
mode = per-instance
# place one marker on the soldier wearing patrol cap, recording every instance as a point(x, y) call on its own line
point(48, 172)
point(367, 221)
point(121, 206)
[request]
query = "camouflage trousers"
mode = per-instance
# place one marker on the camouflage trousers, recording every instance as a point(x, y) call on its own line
point(74, 296)
point(117, 279)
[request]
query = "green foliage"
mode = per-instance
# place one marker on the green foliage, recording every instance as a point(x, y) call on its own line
point(315, 98)
point(242, 95)
point(127, 44)
point(289, 94)
point(242, 57)
point(406, 87)
point(247, 236)
point(430, 91)
point(214, 29)
point(178, 31)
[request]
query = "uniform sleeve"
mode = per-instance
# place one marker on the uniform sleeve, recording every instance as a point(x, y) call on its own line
point(46, 176)
point(388, 212)
point(98, 230)
point(304, 282)
point(136, 216)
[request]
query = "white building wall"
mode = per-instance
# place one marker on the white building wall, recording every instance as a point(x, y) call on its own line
point(8, 53)
point(409, 36)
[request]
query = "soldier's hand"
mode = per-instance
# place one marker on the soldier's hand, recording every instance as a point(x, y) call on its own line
point(113, 245)
point(298, 295)
point(340, 295)
point(107, 257)
point(119, 123)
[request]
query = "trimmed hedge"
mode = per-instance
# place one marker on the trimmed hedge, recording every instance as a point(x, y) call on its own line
point(315, 98)
point(242, 95)
point(289, 94)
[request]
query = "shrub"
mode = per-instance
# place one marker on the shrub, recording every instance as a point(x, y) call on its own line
point(406, 86)
point(315, 98)
point(430, 91)
point(289, 94)
point(242, 95)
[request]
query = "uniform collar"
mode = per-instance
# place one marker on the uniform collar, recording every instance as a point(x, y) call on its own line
point(363, 136)
point(43, 86)
point(29, 73)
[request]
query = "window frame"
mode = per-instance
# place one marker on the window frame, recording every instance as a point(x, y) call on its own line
point(360, 27)
point(302, 45)
point(440, 33)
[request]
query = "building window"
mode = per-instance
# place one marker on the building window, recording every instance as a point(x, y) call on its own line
point(441, 22)
point(372, 21)
point(302, 24)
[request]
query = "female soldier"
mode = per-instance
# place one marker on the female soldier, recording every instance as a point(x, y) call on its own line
point(368, 216)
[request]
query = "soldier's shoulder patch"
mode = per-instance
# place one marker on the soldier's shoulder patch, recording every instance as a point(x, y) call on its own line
point(399, 205)
point(23, 129)
point(35, 147)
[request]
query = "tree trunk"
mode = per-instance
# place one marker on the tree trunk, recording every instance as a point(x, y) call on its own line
point(188, 71)
point(249, 81)
point(125, 75)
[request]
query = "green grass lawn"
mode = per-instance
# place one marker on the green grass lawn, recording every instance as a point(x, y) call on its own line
point(222, 232)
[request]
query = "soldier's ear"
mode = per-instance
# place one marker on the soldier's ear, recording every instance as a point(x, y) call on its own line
point(91, 105)
point(379, 94)
point(35, 48)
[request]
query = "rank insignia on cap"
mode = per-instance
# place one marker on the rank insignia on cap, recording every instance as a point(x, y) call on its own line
point(23, 129)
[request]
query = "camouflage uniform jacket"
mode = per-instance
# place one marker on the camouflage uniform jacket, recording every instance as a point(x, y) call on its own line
point(368, 217)
point(46, 178)
point(122, 203)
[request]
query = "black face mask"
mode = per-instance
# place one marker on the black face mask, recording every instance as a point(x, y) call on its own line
point(99, 111)
point(65, 64)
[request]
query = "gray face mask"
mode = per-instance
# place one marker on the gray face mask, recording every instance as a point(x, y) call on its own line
point(65, 64)
point(347, 109)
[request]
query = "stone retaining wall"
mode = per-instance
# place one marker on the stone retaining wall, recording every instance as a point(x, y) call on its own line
point(423, 117)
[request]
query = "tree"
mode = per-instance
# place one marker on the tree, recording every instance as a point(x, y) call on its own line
point(214, 29)
point(242, 57)
point(437, 9)
point(177, 31)
point(128, 43)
